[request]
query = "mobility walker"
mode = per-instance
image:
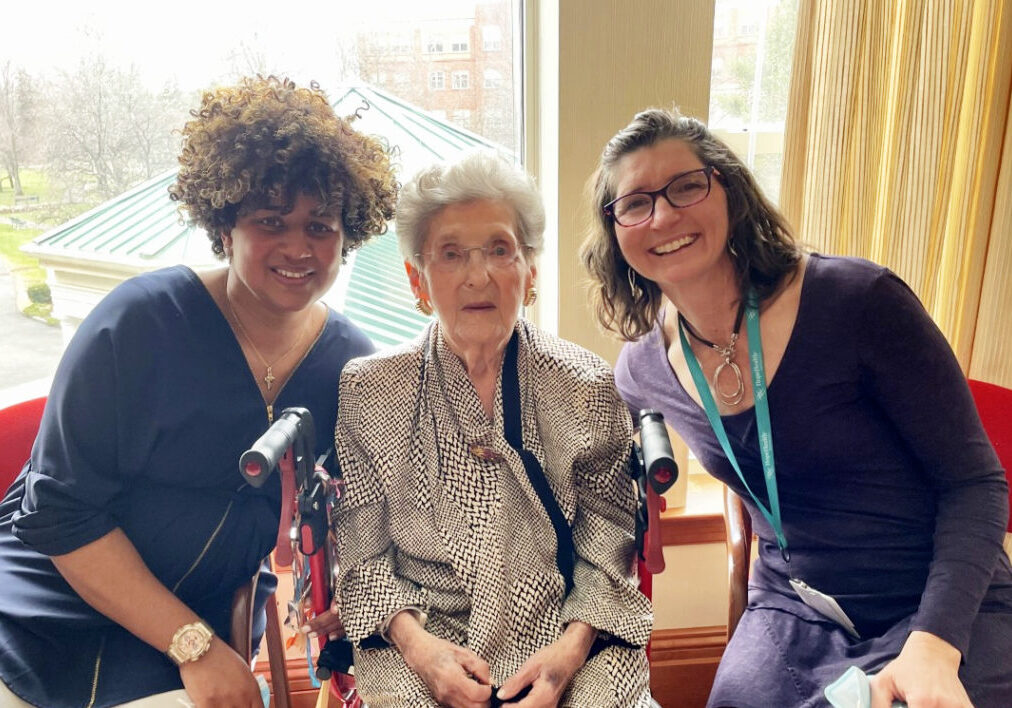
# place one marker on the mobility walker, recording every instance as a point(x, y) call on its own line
point(307, 543)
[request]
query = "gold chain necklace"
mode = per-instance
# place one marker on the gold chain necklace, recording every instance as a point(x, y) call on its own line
point(269, 377)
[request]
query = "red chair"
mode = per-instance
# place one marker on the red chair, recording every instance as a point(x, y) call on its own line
point(994, 405)
point(19, 424)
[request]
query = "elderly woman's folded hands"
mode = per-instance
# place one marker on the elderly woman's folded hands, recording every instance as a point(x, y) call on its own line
point(549, 671)
point(456, 676)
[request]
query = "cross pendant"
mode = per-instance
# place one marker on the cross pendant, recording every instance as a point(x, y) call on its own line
point(269, 378)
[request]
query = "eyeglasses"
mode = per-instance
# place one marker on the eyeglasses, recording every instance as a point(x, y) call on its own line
point(682, 191)
point(450, 258)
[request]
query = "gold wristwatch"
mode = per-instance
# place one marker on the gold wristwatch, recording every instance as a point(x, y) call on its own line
point(190, 642)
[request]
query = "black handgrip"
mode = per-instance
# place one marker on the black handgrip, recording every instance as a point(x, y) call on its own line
point(257, 463)
point(658, 459)
point(336, 655)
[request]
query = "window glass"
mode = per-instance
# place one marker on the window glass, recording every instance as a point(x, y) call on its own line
point(74, 76)
point(493, 79)
point(491, 38)
point(753, 48)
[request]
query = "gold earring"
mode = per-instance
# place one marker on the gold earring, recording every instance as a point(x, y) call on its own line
point(531, 296)
point(423, 306)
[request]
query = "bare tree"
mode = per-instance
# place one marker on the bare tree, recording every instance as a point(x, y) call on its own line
point(108, 131)
point(151, 118)
point(17, 121)
point(248, 59)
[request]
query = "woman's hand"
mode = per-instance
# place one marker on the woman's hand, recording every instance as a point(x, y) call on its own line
point(924, 674)
point(550, 670)
point(220, 678)
point(456, 677)
point(326, 624)
point(110, 576)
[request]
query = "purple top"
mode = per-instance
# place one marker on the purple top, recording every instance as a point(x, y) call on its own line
point(892, 498)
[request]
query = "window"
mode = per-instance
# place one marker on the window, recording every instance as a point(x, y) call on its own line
point(400, 44)
point(749, 83)
point(461, 118)
point(493, 123)
point(493, 79)
point(491, 38)
point(407, 53)
point(721, 26)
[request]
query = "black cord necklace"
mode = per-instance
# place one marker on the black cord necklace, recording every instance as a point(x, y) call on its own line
point(727, 353)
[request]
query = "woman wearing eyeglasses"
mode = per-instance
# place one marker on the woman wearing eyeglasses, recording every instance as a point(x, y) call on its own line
point(878, 501)
point(486, 536)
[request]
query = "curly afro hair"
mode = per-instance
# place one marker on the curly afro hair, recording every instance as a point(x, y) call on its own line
point(263, 143)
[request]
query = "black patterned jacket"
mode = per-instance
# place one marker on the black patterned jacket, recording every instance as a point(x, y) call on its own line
point(439, 514)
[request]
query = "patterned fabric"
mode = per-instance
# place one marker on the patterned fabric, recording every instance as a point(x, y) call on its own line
point(429, 520)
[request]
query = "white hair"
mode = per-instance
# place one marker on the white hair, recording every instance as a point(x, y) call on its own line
point(477, 175)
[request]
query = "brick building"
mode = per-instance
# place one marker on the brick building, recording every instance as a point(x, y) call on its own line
point(458, 67)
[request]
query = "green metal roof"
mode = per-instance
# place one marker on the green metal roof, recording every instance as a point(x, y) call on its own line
point(143, 229)
point(377, 298)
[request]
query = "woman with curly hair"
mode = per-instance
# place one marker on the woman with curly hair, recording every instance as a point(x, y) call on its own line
point(820, 391)
point(126, 534)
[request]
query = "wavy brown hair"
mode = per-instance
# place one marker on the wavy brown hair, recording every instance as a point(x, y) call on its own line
point(263, 143)
point(760, 242)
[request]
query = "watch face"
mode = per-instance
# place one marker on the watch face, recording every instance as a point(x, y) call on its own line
point(191, 642)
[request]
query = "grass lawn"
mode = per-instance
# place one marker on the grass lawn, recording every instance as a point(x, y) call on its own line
point(24, 268)
point(11, 240)
point(48, 212)
point(33, 183)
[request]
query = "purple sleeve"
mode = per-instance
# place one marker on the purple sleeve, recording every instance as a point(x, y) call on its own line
point(628, 359)
point(912, 373)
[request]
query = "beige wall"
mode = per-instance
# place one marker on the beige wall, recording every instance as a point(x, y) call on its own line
point(590, 66)
point(595, 63)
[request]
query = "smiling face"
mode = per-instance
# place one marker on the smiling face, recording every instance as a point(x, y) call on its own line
point(284, 262)
point(478, 304)
point(676, 247)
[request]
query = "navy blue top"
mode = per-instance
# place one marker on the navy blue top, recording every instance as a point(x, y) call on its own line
point(893, 499)
point(150, 408)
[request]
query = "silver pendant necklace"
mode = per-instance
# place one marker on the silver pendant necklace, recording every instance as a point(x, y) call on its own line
point(737, 395)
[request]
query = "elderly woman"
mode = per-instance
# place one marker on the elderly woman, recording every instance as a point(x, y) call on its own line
point(486, 537)
point(129, 529)
point(878, 501)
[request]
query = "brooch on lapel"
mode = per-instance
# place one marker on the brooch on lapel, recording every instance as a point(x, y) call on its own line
point(485, 453)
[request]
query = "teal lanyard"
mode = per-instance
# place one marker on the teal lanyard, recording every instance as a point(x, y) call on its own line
point(762, 414)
